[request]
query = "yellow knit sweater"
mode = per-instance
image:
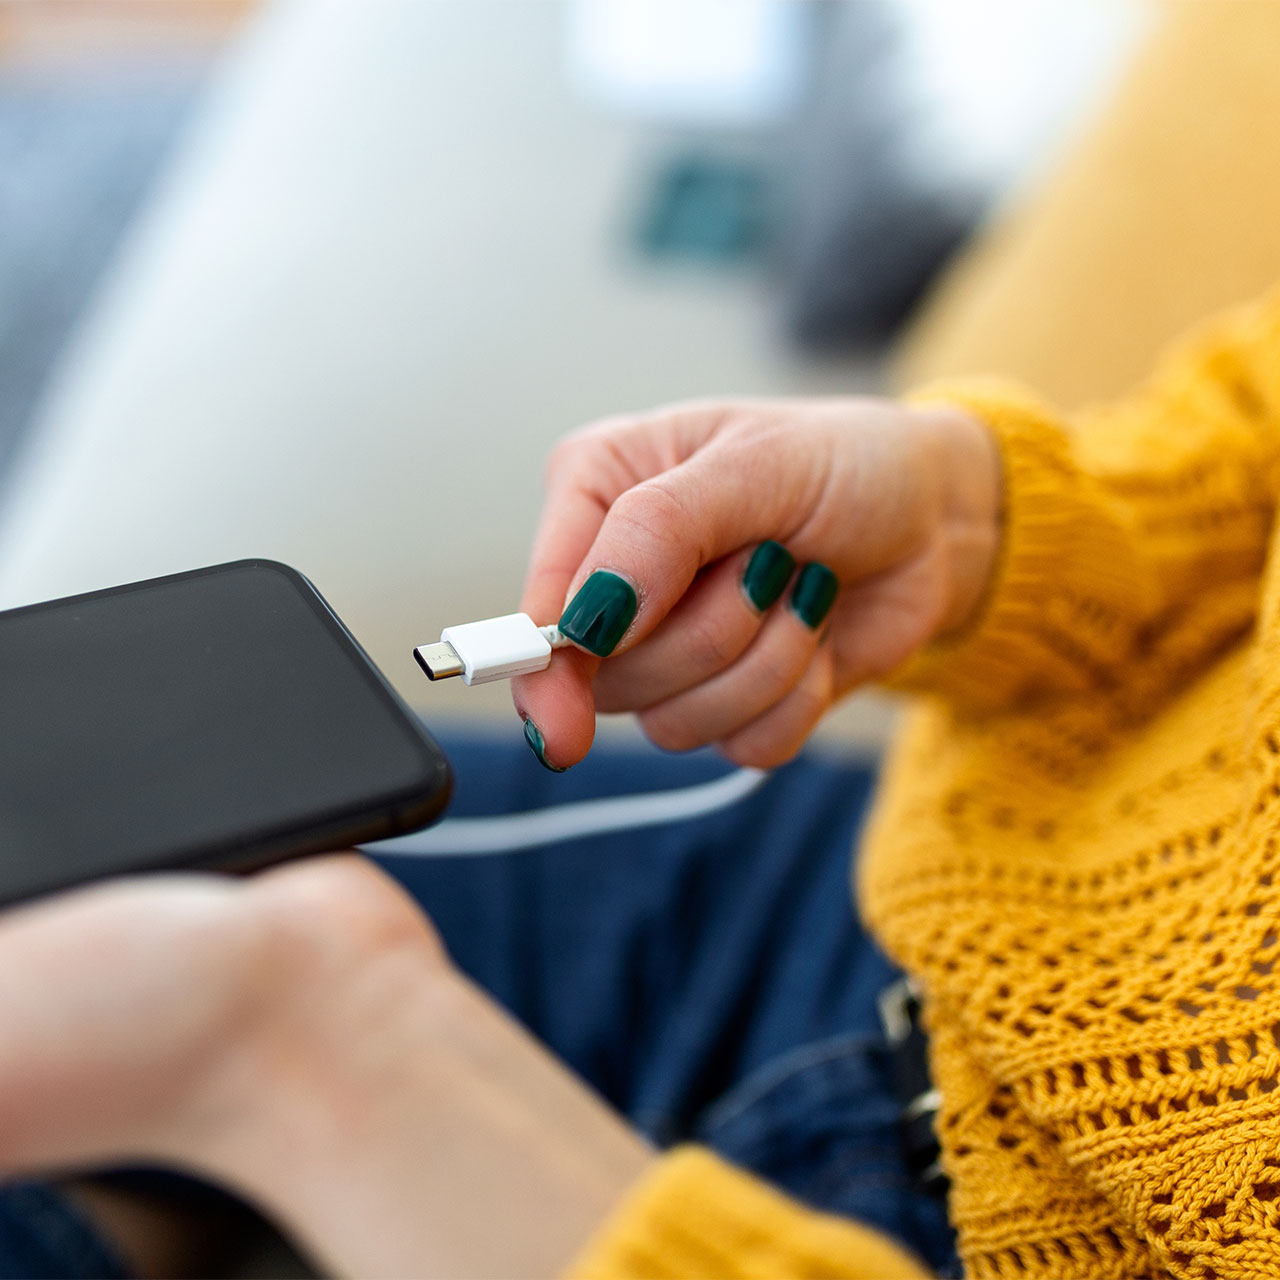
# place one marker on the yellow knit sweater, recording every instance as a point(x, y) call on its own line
point(1074, 851)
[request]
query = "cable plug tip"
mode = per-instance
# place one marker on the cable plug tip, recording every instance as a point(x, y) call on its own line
point(440, 661)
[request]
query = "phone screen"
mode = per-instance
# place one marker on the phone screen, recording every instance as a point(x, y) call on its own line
point(223, 717)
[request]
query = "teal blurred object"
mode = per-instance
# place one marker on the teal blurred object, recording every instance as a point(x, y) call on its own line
point(705, 207)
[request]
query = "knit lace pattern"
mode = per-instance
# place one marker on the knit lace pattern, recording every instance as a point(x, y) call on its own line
point(1077, 844)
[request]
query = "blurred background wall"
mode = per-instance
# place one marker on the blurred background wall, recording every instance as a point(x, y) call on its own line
point(322, 280)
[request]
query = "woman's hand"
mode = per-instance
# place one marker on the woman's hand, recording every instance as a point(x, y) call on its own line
point(301, 1037)
point(695, 515)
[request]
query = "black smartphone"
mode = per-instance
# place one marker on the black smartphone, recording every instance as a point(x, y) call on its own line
point(220, 719)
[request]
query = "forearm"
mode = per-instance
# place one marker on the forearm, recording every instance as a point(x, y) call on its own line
point(302, 1038)
point(450, 1144)
point(442, 1140)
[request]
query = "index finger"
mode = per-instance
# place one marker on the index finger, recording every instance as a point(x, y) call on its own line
point(558, 702)
point(638, 499)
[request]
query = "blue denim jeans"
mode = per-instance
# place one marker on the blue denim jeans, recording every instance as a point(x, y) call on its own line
point(708, 977)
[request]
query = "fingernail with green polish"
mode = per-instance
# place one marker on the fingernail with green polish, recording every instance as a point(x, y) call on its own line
point(814, 594)
point(767, 574)
point(599, 615)
point(533, 736)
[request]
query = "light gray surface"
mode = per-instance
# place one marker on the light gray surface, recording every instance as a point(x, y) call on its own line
point(78, 148)
point(385, 273)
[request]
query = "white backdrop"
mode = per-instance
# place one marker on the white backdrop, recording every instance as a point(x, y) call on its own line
point(382, 276)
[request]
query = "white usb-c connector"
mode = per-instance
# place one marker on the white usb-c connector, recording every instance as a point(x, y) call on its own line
point(493, 649)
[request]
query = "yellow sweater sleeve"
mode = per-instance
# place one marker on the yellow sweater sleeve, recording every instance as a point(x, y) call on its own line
point(696, 1218)
point(1134, 535)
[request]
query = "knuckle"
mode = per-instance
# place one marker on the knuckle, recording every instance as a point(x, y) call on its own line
point(813, 697)
point(561, 455)
point(347, 897)
point(658, 533)
point(668, 732)
point(613, 702)
point(613, 424)
point(758, 753)
point(654, 506)
point(776, 673)
point(782, 734)
point(588, 445)
point(709, 644)
point(615, 688)
point(577, 448)
point(742, 426)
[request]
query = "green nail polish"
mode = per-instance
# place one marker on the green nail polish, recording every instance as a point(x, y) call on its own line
point(768, 572)
point(814, 594)
point(533, 736)
point(599, 615)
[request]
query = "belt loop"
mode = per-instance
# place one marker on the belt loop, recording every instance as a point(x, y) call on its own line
point(919, 1099)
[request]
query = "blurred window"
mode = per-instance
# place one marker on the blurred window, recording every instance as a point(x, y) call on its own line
point(736, 63)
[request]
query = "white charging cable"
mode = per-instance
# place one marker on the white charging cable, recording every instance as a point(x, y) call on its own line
point(511, 832)
point(497, 649)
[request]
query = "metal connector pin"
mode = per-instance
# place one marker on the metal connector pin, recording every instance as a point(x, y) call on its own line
point(439, 661)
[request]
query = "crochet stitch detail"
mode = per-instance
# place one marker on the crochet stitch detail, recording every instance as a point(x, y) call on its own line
point(1077, 846)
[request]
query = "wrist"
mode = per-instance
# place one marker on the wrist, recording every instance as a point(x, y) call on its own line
point(336, 976)
point(964, 459)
